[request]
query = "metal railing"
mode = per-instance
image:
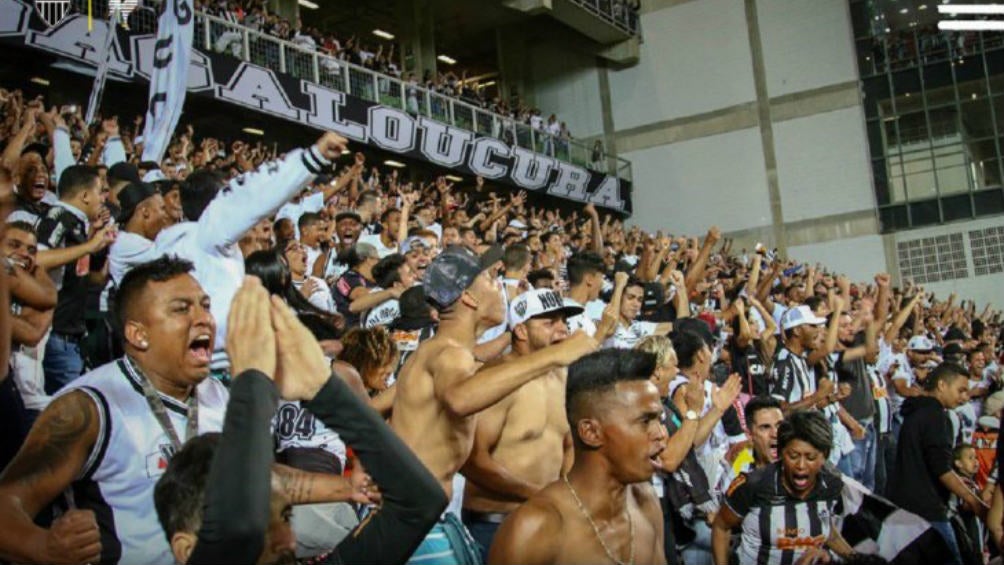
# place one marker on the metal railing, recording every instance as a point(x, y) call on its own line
point(222, 36)
point(615, 12)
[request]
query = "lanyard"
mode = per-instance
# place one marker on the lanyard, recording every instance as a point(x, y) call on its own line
point(160, 411)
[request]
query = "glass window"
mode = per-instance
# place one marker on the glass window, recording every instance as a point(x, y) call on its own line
point(894, 218)
point(988, 202)
point(957, 207)
point(975, 116)
point(918, 169)
point(924, 213)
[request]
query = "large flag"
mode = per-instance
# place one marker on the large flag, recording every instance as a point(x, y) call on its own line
point(171, 57)
point(875, 526)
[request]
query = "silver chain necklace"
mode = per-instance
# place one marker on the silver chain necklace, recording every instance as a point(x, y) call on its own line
point(596, 530)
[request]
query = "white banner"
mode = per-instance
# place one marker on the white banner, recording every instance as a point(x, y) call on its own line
point(172, 55)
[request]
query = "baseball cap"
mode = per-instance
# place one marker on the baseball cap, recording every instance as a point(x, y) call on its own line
point(920, 343)
point(155, 175)
point(414, 310)
point(124, 171)
point(955, 333)
point(537, 303)
point(800, 316)
point(453, 271)
point(413, 241)
point(132, 196)
point(516, 224)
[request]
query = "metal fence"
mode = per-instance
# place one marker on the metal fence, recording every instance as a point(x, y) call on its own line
point(615, 12)
point(221, 36)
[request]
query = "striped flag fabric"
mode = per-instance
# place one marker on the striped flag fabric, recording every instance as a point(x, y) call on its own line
point(872, 525)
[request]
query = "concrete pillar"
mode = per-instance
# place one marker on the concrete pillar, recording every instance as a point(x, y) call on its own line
point(417, 36)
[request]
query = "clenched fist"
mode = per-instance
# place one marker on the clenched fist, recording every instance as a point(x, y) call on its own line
point(331, 145)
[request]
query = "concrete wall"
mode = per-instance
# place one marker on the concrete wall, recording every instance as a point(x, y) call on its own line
point(860, 258)
point(806, 44)
point(822, 165)
point(567, 83)
point(695, 59)
point(684, 187)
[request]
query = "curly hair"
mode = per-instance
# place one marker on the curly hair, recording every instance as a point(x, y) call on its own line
point(368, 350)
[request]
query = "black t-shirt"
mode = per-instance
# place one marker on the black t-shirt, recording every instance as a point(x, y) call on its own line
point(60, 228)
point(343, 289)
point(923, 454)
point(750, 366)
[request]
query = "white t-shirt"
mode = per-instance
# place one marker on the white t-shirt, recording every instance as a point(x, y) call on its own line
point(579, 321)
point(293, 210)
point(321, 297)
point(628, 337)
point(375, 241)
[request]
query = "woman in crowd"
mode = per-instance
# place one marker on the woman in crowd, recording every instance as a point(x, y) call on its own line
point(787, 508)
point(374, 354)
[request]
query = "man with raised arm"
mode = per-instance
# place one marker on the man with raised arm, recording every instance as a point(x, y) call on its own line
point(442, 385)
point(522, 443)
point(217, 215)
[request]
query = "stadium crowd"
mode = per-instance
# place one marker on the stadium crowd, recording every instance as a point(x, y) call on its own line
point(235, 355)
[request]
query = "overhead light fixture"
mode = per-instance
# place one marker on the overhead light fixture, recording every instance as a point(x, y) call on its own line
point(976, 9)
point(39, 80)
point(974, 97)
point(307, 4)
point(383, 34)
point(904, 10)
point(447, 59)
point(253, 131)
point(922, 7)
point(346, 152)
point(907, 94)
point(453, 178)
point(487, 84)
point(971, 25)
point(395, 164)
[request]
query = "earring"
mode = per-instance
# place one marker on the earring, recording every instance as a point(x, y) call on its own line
point(144, 344)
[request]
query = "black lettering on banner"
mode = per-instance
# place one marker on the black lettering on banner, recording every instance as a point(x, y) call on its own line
point(163, 46)
point(182, 11)
point(159, 98)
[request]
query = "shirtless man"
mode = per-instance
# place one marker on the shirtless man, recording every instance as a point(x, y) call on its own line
point(604, 510)
point(521, 444)
point(442, 386)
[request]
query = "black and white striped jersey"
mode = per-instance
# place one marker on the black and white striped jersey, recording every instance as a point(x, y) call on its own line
point(778, 528)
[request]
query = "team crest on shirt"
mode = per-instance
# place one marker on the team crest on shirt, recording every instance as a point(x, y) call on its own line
point(156, 463)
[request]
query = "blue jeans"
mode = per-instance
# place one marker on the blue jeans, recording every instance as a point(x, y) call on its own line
point(62, 363)
point(946, 531)
point(862, 459)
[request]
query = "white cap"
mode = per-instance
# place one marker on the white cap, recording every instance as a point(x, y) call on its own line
point(800, 316)
point(920, 343)
point(517, 224)
point(154, 175)
point(536, 302)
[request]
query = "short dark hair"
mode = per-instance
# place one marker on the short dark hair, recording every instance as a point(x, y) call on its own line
point(960, 449)
point(946, 371)
point(386, 272)
point(516, 256)
point(76, 179)
point(367, 196)
point(687, 345)
point(22, 225)
point(180, 491)
point(198, 190)
point(134, 282)
point(548, 236)
point(466, 229)
point(809, 426)
point(582, 264)
point(385, 217)
point(597, 374)
point(758, 403)
point(308, 219)
point(533, 277)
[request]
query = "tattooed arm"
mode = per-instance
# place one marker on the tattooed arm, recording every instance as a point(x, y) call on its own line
point(52, 456)
point(303, 487)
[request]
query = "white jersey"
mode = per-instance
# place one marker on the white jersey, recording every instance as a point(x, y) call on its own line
point(579, 321)
point(130, 454)
point(383, 314)
point(626, 337)
point(211, 242)
point(296, 427)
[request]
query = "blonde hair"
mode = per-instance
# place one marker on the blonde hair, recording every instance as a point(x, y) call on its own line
point(368, 349)
point(658, 345)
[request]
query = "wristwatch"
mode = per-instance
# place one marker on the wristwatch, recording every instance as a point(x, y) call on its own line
point(690, 415)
